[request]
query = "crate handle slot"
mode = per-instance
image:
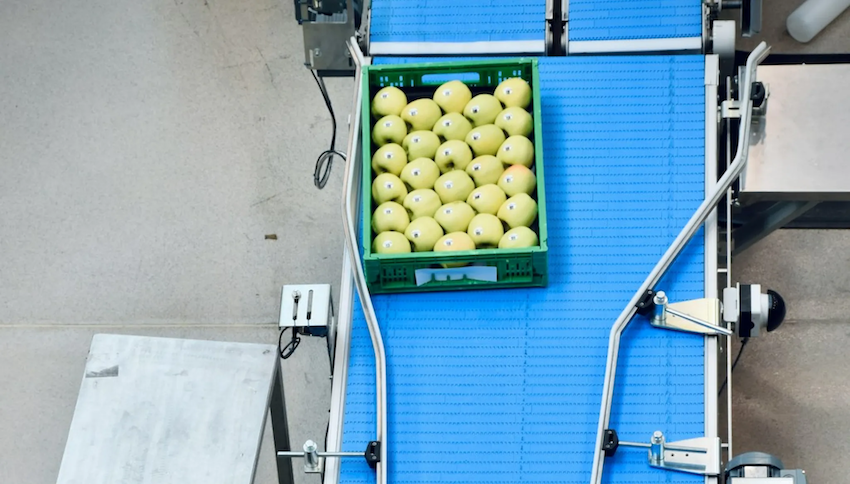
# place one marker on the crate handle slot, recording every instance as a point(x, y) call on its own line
point(476, 273)
point(436, 79)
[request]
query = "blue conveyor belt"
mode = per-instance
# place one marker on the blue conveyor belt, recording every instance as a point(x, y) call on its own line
point(448, 21)
point(504, 385)
point(628, 20)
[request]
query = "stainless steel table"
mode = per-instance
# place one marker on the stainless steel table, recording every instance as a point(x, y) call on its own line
point(162, 411)
point(799, 150)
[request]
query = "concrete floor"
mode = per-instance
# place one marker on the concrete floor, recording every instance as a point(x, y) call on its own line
point(148, 148)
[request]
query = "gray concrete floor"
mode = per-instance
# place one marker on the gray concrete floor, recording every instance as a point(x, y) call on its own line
point(148, 148)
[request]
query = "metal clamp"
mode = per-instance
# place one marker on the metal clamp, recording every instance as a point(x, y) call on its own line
point(314, 460)
point(696, 316)
point(695, 456)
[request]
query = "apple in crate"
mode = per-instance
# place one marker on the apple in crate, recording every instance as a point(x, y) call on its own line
point(452, 96)
point(388, 101)
point(485, 170)
point(454, 186)
point(517, 179)
point(423, 233)
point(420, 173)
point(516, 150)
point(514, 92)
point(454, 241)
point(482, 109)
point(453, 155)
point(485, 140)
point(422, 203)
point(390, 216)
point(388, 187)
point(518, 238)
point(518, 211)
point(421, 144)
point(486, 199)
point(389, 129)
point(454, 216)
point(391, 243)
point(389, 158)
point(485, 230)
point(421, 114)
point(452, 126)
point(515, 121)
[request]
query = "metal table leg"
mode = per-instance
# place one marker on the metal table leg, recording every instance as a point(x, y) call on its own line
point(280, 429)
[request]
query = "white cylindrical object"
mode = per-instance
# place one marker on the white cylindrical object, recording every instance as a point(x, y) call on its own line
point(812, 16)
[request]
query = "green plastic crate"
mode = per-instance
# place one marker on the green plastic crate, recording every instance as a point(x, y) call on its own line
point(395, 273)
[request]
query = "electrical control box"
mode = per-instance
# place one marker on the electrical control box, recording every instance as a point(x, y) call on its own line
point(307, 307)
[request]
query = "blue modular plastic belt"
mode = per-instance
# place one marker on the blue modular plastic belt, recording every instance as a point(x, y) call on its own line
point(628, 20)
point(450, 21)
point(505, 385)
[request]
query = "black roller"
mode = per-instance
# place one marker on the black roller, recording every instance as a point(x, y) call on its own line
point(776, 310)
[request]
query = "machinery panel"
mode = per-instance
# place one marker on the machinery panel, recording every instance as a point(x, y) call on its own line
point(504, 386)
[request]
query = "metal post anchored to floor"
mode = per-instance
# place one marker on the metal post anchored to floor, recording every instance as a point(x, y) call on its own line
point(696, 221)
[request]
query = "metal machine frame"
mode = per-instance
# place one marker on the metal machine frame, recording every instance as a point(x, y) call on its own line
point(326, 37)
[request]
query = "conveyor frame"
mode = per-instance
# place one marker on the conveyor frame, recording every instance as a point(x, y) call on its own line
point(711, 344)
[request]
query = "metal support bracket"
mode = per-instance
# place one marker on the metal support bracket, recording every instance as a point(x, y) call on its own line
point(694, 456)
point(700, 316)
point(730, 109)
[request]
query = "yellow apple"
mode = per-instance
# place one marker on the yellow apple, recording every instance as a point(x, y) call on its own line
point(482, 109)
point(517, 179)
point(421, 144)
point(485, 170)
point(518, 238)
point(514, 92)
point(486, 199)
point(516, 150)
point(453, 155)
point(454, 216)
point(454, 241)
point(389, 216)
point(389, 129)
point(422, 203)
point(388, 187)
point(519, 210)
point(452, 126)
point(389, 158)
point(420, 173)
point(388, 101)
point(485, 230)
point(453, 186)
point(391, 243)
point(485, 139)
point(423, 233)
point(421, 114)
point(452, 96)
point(515, 121)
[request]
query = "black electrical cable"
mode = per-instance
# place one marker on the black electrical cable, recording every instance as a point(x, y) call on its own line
point(744, 342)
point(286, 352)
point(325, 161)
